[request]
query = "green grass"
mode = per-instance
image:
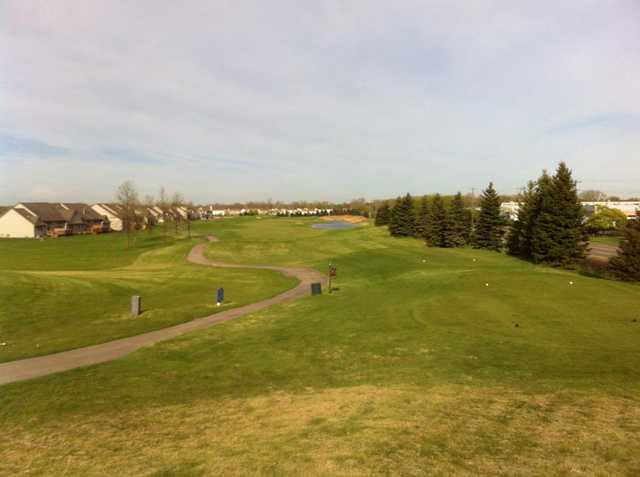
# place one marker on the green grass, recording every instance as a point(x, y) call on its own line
point(606, 239)
point(60, 306)
point(414, 366)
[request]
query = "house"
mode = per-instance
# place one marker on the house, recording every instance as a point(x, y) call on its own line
point(113, 212)
point(87, 220)
point(38, 219)
point(19, 223)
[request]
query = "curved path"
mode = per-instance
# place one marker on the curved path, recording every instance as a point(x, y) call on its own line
point(76, 358)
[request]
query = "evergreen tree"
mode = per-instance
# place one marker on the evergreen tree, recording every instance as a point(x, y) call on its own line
point(441, 230)
point(393, 220)
point(403, 218)
point(559, 236)
point(520, 234)
point(626, 265)
point(383, 216)
point(490, 228)
point(460, 222)
point(424, 219)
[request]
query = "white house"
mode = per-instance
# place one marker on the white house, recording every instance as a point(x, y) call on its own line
point(20, 223)
point(112, 212)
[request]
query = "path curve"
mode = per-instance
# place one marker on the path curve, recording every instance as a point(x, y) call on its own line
point(601, 251)
point(55, 363)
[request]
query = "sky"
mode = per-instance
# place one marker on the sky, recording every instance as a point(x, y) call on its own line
point(321, 100)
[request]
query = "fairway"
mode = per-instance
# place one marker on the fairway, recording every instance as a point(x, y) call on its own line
point(63, 294)
point(422, 362)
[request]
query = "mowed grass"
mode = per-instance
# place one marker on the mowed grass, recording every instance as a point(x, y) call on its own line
point(413, 367)
point(79, 297)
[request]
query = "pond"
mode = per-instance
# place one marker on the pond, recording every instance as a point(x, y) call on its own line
point(334, 225)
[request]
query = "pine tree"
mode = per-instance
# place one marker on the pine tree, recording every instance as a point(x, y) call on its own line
point(559, 236)
point(460, 222)
point(490, 228)
point(383, 216)
point(441, 230)
point(393, 217)
point(626, 265)
point(424, 219)
point(403, 218)
point(519, 241)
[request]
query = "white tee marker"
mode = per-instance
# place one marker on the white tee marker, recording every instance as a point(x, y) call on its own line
point(486, 284)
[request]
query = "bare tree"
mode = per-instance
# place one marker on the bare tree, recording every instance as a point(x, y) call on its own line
point(164, 205)
point(176, 202)
point(150, 218)
point(592, 196)
point(127, 197)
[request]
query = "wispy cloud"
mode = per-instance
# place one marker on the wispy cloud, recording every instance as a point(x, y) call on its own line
point(14, 147)
point(314, 100)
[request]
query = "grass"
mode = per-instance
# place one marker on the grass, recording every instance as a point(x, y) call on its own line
point(606, 239)
point(414, 366)
point(60, 306)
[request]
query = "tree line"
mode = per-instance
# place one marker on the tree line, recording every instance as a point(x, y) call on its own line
point(550, 228)
point(137, 216)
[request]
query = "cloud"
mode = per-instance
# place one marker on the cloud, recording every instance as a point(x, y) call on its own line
point(247, 100)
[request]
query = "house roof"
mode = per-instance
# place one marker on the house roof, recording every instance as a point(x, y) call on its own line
point(85, 211)
point(31, 218)
point(47, 211)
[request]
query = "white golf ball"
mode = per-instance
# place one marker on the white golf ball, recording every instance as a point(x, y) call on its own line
point(486, 284)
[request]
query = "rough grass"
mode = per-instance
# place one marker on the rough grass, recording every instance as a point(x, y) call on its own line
point(363, 430)
point(410, 368)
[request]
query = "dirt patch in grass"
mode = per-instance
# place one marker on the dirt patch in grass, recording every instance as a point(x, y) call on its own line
point(352, 219)
point(363, 430)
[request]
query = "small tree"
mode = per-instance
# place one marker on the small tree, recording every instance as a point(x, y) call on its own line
point(606, 220)
point(460, 222)
point(177, 201)
point(592, 196)
point(423, 222)
point(519, 240)
point(441, 234)
point(150, 219)
point(127, 197)
point(164, 206)
point(383, 215)
point(490, 228)
point(626, 265)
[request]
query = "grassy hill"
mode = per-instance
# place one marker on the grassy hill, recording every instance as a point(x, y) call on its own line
point(424, 362)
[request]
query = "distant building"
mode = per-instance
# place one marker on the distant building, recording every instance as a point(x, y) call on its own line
point(629, 208)
point(39, 219)
point(114, 212)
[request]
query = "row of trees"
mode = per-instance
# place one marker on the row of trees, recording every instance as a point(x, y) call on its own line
point(137, 216)
point(550, 227)
point(446, 224)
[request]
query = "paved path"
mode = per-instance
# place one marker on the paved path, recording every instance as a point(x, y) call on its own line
point(601, 252)
point(55, 363)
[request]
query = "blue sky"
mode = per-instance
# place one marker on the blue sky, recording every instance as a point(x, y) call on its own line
point(232, 101)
